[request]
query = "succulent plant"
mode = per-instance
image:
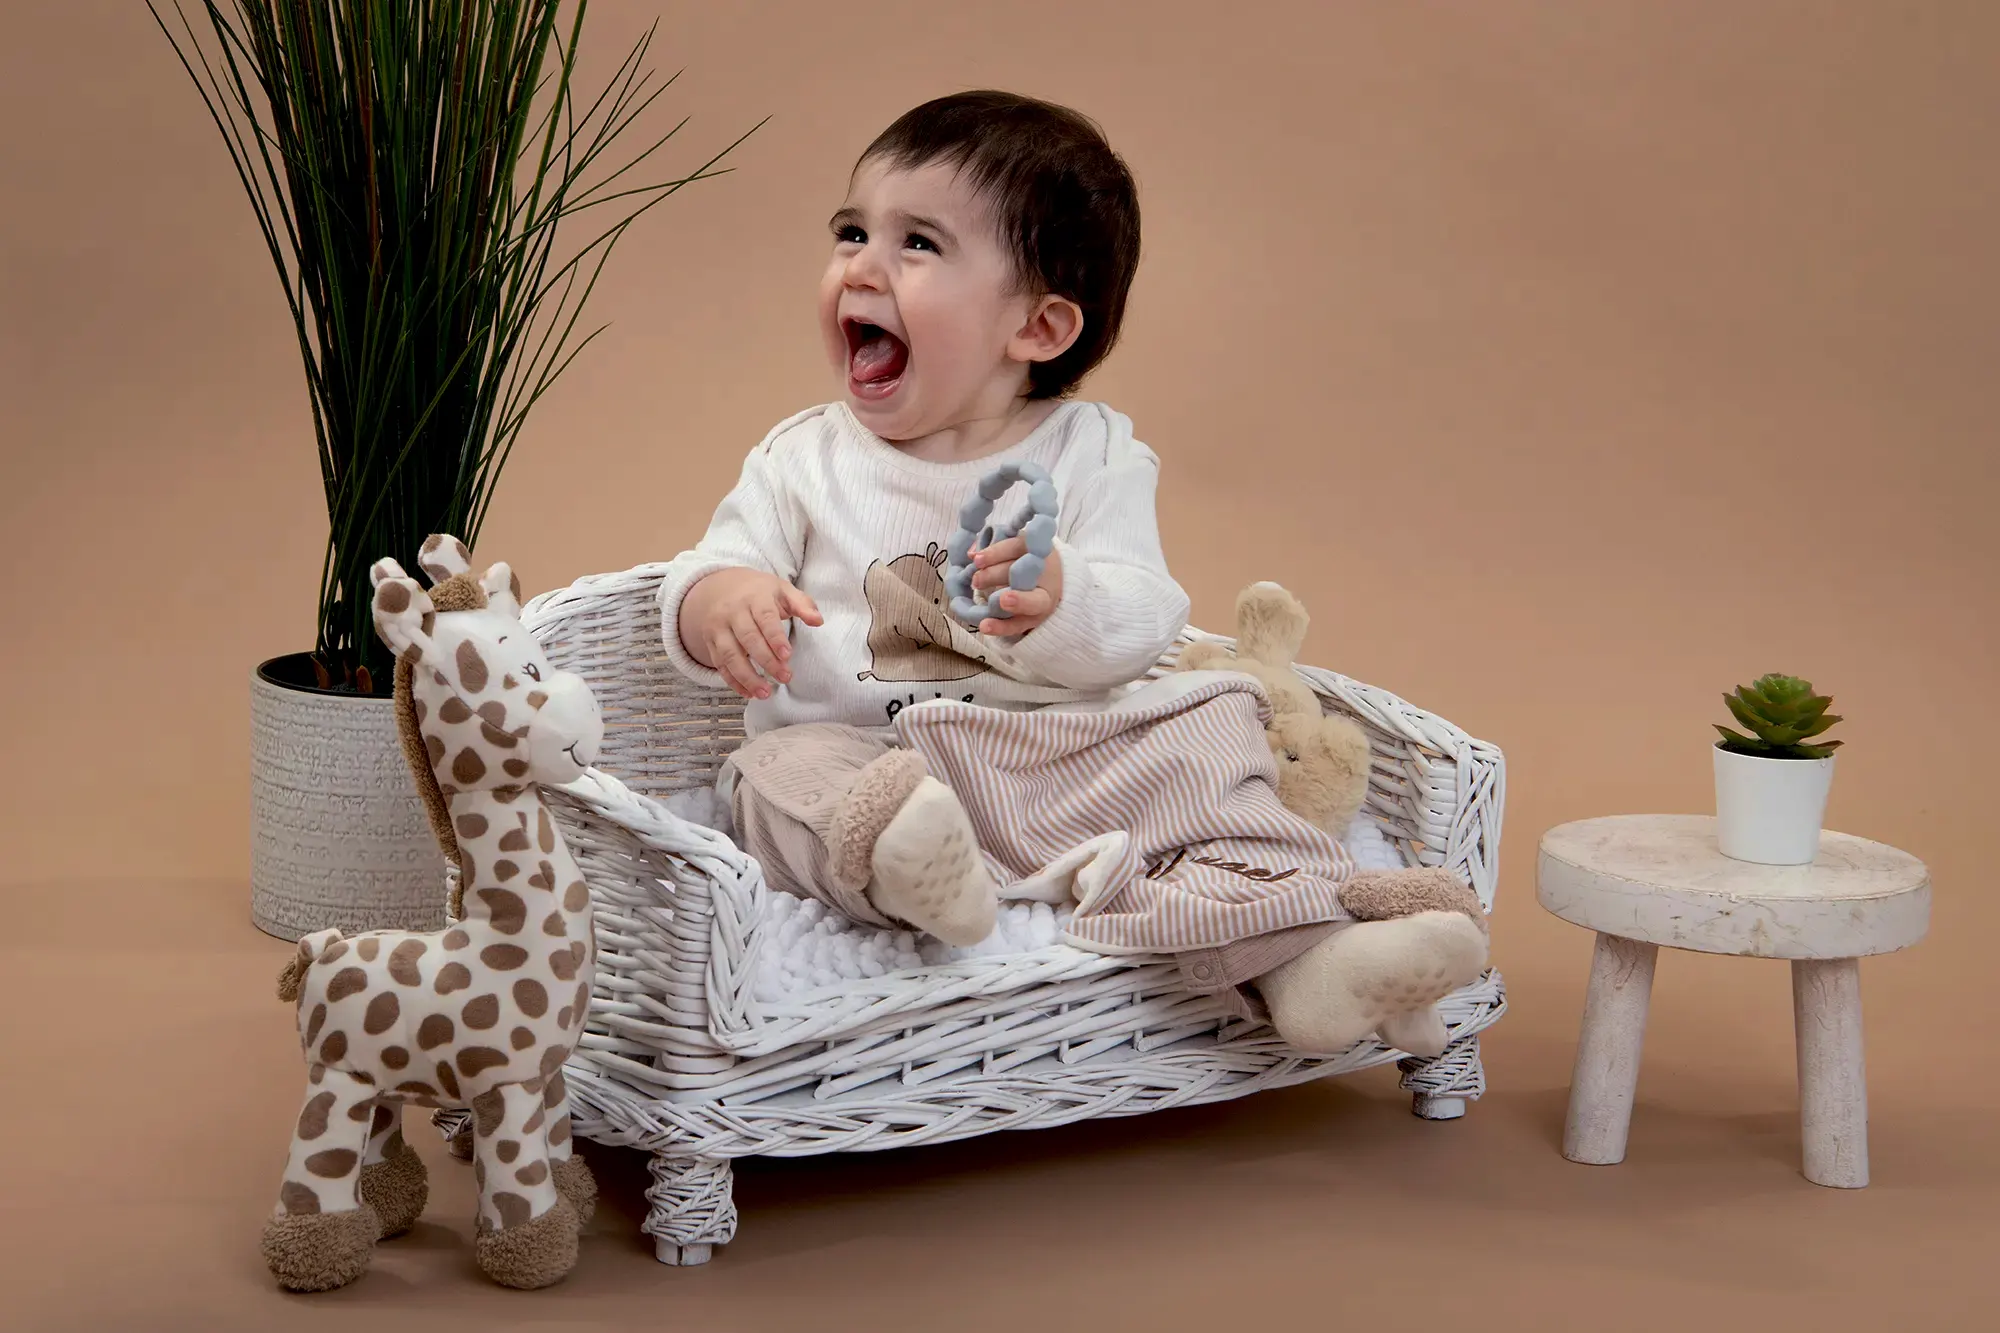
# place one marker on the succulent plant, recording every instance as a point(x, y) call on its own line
point(1782, 715)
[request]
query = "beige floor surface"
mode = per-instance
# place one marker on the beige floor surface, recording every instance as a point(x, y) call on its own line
point(163, 1085)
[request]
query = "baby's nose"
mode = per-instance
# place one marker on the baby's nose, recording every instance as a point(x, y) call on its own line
point(864, 269)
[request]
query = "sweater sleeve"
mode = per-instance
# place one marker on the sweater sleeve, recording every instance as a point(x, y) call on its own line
point(1120, 609)
point(753, 528)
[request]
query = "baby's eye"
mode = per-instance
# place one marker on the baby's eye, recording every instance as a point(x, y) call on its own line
point(849, 235)
point(919, 241)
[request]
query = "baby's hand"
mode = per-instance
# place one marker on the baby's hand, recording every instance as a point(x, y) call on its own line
point(733, 621)
point(993, 566)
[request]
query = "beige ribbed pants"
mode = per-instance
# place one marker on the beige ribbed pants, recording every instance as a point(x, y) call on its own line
point(792, 793)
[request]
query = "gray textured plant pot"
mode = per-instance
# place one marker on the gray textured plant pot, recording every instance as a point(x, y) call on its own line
point(338, 836)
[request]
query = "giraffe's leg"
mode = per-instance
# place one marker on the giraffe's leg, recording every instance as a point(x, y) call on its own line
point(527, 1230)
point(572, 1173)
point(321, 1234)
point(393, 1180)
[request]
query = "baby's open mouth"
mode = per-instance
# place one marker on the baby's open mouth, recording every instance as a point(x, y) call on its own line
point(876, 359)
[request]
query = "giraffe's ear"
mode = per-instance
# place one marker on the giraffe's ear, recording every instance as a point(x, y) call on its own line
point(503, 589)
point(443, 556)
point(404, 615)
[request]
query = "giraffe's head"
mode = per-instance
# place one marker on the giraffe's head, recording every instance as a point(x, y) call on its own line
point(491, 710)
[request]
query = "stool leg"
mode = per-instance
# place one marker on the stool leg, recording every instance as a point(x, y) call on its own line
point(1833, 1084)
point(1607, 1052)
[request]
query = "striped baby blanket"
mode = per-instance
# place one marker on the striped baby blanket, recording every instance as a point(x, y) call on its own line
point(1157, 812)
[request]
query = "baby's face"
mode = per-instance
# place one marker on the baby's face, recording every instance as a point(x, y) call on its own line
point(919, 308)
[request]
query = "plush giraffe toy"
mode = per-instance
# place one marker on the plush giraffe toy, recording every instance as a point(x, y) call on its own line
point(483, 1015)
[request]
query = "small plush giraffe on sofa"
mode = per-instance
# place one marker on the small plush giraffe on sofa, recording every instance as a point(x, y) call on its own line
point(479, 1016)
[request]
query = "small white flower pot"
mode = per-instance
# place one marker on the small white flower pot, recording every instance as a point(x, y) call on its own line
point(1770, 811)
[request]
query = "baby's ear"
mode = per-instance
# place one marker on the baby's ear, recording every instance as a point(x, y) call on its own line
point(403, 615)
point(443, 556)
point(503, 589)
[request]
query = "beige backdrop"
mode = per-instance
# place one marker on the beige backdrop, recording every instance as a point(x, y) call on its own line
point(1574, 361)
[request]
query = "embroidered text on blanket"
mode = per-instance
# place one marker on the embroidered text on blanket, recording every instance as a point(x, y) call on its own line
point(1165, 866)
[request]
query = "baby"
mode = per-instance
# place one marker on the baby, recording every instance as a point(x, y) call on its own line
point(980, 268)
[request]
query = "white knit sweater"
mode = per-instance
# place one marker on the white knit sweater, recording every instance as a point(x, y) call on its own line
point(861, 527)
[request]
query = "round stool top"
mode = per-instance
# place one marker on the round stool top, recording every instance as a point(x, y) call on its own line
point(1660, 879)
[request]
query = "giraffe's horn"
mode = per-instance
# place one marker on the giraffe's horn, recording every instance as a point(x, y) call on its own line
point(443, 556)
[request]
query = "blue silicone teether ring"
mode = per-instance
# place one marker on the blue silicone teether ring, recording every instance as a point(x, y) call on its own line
point(1036, 525)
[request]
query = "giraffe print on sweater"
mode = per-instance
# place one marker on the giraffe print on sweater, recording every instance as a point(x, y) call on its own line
point(484, 1014)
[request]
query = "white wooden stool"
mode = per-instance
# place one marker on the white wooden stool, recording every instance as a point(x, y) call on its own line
point(1641, 881)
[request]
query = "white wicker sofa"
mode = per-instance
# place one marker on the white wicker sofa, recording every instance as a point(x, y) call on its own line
point(683, 1059)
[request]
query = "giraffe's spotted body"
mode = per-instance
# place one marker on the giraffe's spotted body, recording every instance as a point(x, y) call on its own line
point(484, 1014)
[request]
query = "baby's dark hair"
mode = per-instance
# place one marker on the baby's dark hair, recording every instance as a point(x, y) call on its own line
point(1064, 202)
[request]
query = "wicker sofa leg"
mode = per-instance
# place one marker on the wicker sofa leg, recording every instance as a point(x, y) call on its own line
point(456, 1126)
point(693, 1208)
point(1441, 1085)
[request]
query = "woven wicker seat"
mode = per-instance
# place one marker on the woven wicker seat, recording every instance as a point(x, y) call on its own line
point(682, 1059)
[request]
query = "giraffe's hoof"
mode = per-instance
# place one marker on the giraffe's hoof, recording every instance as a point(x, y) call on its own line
point(320, 1251)
point(396, 1188)
point(537, 1253)
point(459, 1145)
point(575, 1183)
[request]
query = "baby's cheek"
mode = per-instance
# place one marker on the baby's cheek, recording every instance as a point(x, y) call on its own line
point(949, 343)
point(834, 341)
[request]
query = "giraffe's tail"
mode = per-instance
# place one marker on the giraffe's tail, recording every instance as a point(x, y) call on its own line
point(293, 979)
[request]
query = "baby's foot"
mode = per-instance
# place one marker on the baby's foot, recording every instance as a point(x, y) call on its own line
point(1375, 976)
point(1415, 1031)
point(929, 872)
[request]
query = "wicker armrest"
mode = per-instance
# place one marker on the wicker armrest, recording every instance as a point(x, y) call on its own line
point(676, 909)
point(657, 826)
point(1438, 792)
